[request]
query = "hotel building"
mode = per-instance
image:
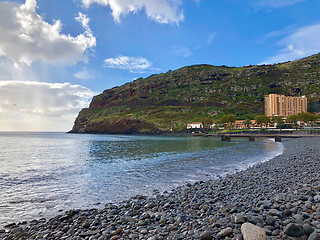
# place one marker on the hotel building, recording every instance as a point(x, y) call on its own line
point(280, 105)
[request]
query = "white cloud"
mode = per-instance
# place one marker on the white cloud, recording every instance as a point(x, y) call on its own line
point(207, 42)
point(181, 51)
point(26, 37)
point(266, 4)
point(133, 64)
point(84, 74)
point(84, 20)
point(210, 38)
point(8, 70)
point(161, 11)
point(301, 43)
point(276, 3)
point(38, 106)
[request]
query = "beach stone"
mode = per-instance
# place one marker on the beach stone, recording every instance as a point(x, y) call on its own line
point(225, 232)
point(267, 231)
point(307, 229)
point(255, 219)
point(10, 225)
point(116, 237)
point(287, 212)
point(150, 205)
point(153, 238)
point(159, 229)
point(273, 212)
point(252, 232)
point(314, 236)
point(206, 235)
point(298, 218)
point(86, 225)
point(182, 218)
point(239, 219)
point(141, 223)
point(63, 218)
point(143, 231)
point(293, 230)
point(119, 230)
point(88, 233)
point(114, 211)
point(271, 221)
point(178, 237)
point(16, 230)
point(134, 236)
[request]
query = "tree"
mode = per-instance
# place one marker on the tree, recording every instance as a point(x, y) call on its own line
point(247, 123)
point(231, 118)
point(294, 120)
point(314, 118)
point(278, 120)
point(216, 128)
point(307, 117)
point(208, 122)
point(228, 119)
point(224, 120)
point(262, 120)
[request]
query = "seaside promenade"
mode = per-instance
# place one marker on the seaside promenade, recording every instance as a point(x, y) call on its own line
point(277, 135)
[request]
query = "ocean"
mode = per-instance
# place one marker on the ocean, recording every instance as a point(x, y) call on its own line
point(44, 174)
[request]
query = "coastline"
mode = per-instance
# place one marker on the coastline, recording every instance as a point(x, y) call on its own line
point(273, 195)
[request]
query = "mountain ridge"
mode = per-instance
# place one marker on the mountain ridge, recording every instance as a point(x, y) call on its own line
point(168, 101)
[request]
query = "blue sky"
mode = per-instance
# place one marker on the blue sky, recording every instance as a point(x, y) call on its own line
point(55, 55)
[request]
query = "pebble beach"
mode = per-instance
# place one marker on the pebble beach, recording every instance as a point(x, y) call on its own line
point(277, 199)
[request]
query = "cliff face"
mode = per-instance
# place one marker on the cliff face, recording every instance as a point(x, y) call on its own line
point(168, 101)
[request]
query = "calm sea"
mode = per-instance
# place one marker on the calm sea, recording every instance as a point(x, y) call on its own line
point(42, 174)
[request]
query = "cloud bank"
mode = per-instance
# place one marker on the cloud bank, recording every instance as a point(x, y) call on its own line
point(133, 64)
point(26, 37)
point(40, 106)
point(300, 43)
point(161, 11)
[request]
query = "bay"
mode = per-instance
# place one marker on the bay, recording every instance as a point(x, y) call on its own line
point(42, 174)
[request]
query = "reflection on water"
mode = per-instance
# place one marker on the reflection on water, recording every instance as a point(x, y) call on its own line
point(42, 173)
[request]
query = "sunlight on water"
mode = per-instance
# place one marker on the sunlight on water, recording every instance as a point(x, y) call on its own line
point(42, 173)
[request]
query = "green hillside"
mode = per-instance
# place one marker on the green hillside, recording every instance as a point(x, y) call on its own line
point(170, 100)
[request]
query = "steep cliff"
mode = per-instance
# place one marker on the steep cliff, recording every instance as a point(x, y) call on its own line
point(168, 101)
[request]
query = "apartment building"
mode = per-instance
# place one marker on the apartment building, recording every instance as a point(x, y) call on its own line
point(280, 105)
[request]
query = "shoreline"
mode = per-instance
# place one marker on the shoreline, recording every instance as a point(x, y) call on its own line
point(271, 195)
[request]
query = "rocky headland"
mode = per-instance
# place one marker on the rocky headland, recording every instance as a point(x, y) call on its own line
point(167, 102)
point(277, 199)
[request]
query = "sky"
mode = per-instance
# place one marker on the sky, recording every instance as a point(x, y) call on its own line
point(56, 55)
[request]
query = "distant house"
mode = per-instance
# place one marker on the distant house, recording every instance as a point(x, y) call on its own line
point(194, 125)
point(240, 124)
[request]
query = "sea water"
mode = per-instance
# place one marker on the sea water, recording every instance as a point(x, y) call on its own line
point(43, 174)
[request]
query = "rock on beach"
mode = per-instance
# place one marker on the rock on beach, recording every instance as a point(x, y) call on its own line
point(252, 232)
point(277, 199)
